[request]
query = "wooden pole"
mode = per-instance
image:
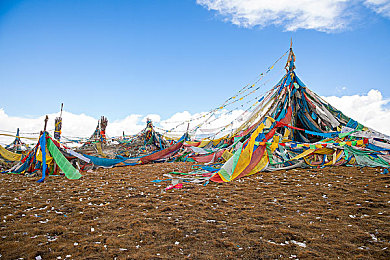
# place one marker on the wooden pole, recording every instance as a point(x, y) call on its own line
point(62, 105)
point(46, 119)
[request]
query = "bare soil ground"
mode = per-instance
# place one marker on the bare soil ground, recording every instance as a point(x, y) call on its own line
point(119, 213)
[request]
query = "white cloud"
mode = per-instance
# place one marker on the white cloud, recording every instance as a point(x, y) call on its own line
point(323, 15)
point(129, 125)
point(368, 109)
point(154, 117)
point(73, 125)
point(379, 6)
point(132, 124)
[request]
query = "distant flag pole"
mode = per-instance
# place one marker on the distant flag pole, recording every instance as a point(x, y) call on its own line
point(58, 125)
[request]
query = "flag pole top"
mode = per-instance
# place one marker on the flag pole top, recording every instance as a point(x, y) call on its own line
point(290, 65)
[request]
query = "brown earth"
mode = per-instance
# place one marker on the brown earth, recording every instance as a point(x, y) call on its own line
point(119, 213)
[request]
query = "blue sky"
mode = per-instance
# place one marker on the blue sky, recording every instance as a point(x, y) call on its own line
point(117, 58)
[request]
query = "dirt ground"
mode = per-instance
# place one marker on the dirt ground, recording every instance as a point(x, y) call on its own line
point(120, 213)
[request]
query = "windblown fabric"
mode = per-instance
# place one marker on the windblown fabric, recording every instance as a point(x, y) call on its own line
point(200, 151)
point(104, 162)
point(39, 157)
point(10, 156)
point(242, 163)
point(42, 142)
point(367, 158)
point(163, 153)
point(99, 149)
point(226, 171)
point(24, 164)
point(78, 155)
point(62, 162)
point(208, 158)
point(58, 126)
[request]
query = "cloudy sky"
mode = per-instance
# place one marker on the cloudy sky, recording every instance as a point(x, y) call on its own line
point(176, 59)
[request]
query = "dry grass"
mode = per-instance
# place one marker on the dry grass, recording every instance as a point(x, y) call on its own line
point(320, 213)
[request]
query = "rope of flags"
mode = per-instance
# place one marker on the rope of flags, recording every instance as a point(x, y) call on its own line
point(237, 97)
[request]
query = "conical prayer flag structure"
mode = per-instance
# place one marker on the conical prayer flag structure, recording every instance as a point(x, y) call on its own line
point(300, 129)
